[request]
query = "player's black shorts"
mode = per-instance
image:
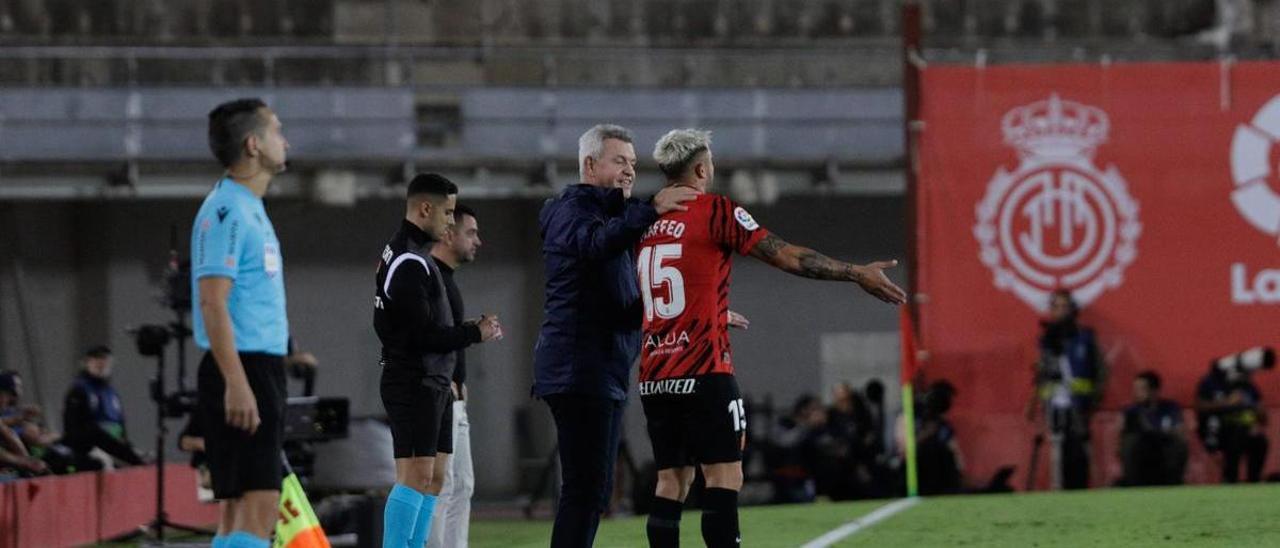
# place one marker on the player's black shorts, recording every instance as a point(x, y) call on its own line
point(420, 414)
point(694, 420)
point(239, 461)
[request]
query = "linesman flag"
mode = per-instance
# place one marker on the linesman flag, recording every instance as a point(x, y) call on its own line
point(297, 526)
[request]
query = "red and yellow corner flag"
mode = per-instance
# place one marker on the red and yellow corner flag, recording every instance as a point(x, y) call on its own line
point(297, 526)
point(907, 334)
point(907, 331)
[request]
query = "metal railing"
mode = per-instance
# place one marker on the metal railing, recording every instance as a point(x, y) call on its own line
point(444, 66)
point(578, 22)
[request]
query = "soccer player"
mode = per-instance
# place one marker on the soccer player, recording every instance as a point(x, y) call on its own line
point(691, 401)
point(420, 341)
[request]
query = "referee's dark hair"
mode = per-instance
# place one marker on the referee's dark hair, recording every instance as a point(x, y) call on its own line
point(431, 184)
point(229, 124)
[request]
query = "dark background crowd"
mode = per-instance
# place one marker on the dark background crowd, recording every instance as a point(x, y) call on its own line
point(95, 436)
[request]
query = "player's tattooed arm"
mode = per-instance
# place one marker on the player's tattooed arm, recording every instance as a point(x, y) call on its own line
point(808, 263)
point(818, 266)
point(802, 261)
point(768, 248)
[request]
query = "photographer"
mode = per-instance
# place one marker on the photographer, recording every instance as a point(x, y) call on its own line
point(1153, 444)
point(1069, 377)
point(940, 463)
point(1229, 410)
point(799, 446)
point(851, 423)
point(92, 414)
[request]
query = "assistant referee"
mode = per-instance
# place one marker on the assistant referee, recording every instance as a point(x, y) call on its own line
point(420, 340)
point(238, 280)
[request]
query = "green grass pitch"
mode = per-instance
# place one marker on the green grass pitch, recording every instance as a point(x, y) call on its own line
point(1235, 516)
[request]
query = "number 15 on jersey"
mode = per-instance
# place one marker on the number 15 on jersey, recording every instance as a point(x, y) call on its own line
point(654, 274)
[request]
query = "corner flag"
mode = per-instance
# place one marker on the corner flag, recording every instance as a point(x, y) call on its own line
point(907, 333)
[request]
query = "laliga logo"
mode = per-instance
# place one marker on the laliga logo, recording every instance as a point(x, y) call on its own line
point(1252, 148)
point(1057, 221)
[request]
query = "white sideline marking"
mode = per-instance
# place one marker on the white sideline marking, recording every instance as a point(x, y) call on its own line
point(880, 514)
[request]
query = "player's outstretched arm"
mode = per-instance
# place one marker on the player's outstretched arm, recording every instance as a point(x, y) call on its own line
point(808, 263)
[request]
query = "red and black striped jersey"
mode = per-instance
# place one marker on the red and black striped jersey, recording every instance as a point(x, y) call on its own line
point(684, 265)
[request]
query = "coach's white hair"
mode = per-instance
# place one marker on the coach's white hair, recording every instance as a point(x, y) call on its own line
point(677, 149)
point(592, 143)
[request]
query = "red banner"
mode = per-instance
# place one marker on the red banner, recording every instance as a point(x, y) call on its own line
point(1150, 190)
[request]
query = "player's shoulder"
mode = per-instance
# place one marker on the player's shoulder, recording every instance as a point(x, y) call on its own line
point(708, 203)
point(713, 199)
point(717, 210)
point(739, 214)
point(726, 205)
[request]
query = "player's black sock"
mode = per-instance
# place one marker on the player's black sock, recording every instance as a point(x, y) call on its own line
point(664, 523)
point(720, 518)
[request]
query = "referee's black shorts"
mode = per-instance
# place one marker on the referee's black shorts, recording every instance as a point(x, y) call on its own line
point(420, 413)
point(239, 461)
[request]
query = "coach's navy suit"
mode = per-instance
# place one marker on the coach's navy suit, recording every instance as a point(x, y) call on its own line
point(589, 340)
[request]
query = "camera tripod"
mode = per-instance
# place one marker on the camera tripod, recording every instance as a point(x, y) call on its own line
point(151, 342)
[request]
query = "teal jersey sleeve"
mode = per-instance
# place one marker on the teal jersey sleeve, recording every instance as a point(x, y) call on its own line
point(218, 246)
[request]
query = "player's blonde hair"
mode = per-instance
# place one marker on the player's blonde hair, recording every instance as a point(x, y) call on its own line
point(676, 150)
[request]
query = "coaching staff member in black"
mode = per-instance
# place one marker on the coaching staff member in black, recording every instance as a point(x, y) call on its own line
point(590, 334)
point(420, 340)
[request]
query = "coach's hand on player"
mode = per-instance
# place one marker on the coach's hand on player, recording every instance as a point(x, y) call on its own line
point(872, 279)
point(242, 407)
point(490, 329)
point(671, 198)
point(738, 320)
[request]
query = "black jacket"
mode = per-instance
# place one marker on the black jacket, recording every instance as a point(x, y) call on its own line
point(93, 417)
point(590, 334)
point(411, 311)
point(459, 316)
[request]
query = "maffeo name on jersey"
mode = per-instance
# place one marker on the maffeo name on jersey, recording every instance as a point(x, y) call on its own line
point(666, 227)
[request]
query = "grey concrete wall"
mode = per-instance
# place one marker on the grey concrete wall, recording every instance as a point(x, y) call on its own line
point(92, 269)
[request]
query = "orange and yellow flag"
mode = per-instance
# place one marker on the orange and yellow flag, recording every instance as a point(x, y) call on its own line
point(297, 526)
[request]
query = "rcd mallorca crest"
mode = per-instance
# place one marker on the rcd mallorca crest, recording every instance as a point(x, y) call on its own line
point(1057, 220)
